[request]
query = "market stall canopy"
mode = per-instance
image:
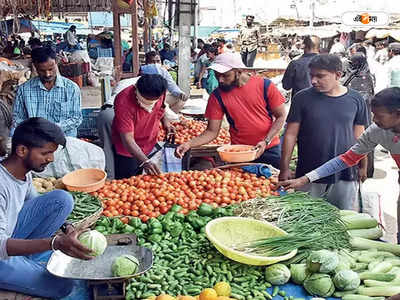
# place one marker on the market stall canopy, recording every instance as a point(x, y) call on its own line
point(383, 33)
point(61, 27)
point(322, 31)
point(205, 31)
point(44, 8)
point(20, 25)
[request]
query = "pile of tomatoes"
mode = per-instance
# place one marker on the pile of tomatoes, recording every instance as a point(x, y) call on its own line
point(188, 129)
point(148, 196)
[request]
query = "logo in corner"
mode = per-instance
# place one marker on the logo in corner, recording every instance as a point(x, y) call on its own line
point(365, 18)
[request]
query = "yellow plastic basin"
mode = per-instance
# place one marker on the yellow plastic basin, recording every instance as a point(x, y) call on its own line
point(226, 232)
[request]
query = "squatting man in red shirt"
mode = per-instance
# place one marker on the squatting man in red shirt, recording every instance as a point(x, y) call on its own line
point(253, 106)
point(138, 111)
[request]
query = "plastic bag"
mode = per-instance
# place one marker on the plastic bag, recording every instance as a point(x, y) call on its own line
point(370, 203)
point(77, 154)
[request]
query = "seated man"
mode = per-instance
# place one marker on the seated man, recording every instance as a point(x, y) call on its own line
point(49, 96)
point(28, 222)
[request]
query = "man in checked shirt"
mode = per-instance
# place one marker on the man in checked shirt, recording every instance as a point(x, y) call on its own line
point(49, 96)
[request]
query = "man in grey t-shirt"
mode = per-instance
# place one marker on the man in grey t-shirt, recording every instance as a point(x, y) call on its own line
point(28, 221)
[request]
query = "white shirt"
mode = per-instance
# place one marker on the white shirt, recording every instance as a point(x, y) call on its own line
point(337, 48)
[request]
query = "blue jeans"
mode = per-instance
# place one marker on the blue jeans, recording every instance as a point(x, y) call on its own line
point(39, 218)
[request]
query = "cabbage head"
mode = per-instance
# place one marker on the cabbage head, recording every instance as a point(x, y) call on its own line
point(277, 274)
point(299, 273)
point(322, 261)
point(95, 241)
point(319, 284)
point(346, 280)
point(125, 265)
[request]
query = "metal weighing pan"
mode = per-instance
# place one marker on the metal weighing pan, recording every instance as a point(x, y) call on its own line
point(99, 268)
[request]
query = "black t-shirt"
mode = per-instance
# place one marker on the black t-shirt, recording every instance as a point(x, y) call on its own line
point(297, 74)
point(326, 129)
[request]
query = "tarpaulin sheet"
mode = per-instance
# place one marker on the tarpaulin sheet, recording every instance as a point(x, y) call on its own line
point(297, 291)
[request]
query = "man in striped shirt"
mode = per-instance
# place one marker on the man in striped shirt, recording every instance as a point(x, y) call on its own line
point(49, 96)
point(384, 131)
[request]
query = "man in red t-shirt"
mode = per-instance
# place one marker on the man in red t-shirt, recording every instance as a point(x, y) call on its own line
point(243, 98)
point(138, 111)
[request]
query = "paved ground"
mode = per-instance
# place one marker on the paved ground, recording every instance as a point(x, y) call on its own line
point(385, 184)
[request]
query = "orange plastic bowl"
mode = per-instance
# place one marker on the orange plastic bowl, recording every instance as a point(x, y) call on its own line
point(85, 180)
point(237, 153)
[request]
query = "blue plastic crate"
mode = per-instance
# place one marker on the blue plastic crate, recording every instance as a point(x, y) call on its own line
point(88, 127)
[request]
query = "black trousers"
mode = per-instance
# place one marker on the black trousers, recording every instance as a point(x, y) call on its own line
point(248, 58)
point(126, 167)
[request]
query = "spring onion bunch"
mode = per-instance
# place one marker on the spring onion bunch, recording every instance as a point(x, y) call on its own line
point(311, 223)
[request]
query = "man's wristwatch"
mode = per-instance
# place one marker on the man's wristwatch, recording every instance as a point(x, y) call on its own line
point(267, 141)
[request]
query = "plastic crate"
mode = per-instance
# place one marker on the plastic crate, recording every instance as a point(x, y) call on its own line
point(88, 128)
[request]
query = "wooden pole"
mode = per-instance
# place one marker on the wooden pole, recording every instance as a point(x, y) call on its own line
point(146, 26)
point(135, 39)
point(117, 42)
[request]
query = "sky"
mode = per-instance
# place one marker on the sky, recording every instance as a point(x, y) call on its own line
point(269, 10)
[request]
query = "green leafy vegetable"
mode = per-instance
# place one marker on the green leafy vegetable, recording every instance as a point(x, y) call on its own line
point(319, 285)
point(124, 265)
point(277, 274)
point(346, 280)
point(322, 261)
point(95, 241)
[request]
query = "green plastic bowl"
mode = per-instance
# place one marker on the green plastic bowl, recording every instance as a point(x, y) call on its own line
point(226, 232)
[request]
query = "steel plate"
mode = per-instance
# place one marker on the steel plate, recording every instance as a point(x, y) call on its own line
point(99, 268)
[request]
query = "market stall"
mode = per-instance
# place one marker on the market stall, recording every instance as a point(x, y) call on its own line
point(228, 233)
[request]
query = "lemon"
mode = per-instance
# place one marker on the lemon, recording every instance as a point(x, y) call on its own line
point(208, 294)
point(222, 288)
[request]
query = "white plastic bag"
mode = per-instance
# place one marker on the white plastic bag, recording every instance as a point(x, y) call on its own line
point(77, 154)
point(370, 203)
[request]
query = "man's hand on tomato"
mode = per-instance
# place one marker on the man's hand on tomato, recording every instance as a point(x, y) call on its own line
point(151, 168)
point(182, 149)
point(294, 183)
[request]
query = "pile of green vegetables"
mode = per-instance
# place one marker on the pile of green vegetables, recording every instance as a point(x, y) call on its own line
point(311, 223)
point(85, 205)
point(184, 260)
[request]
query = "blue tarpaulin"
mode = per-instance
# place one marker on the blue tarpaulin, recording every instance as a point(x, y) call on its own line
point(25, 25)
point(105, 19)
point(59, 27)
point(297, 291)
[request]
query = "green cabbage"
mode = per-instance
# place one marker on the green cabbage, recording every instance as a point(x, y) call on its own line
point(125, 265)
point(319, 285)
point(277, 274)
point(299, 273)
point(346, 280)
point(322, 261)
point(95, 241)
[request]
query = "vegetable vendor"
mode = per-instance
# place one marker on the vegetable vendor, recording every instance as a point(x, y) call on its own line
point(253, 106)
point(385, 131)
point(28, 222)
point(138, 112)
point(176, 98)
